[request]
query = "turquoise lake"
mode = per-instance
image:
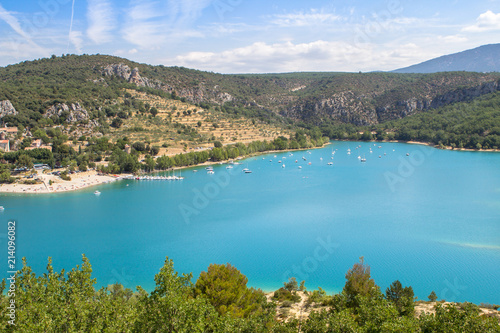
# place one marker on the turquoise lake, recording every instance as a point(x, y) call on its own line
point(430, 219)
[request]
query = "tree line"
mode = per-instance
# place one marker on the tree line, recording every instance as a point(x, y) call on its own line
point(119, 161)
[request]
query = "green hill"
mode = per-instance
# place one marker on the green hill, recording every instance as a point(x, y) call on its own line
point(340, 103)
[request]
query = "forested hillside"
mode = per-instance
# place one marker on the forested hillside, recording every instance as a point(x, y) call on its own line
point(473, 125)
point(360, 99)
point(69, 102)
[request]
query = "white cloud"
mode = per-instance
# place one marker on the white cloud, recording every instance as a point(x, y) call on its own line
point(318, 55)
point(280, 57)
point(13, 22)
point(75, 37)
point(485, 22)
point(12, 51)
point(144, 26)
point(19, 45)
point(313, 18)
point(185, 12)
point(453, 39)
point(101, 21)
point(151, 24)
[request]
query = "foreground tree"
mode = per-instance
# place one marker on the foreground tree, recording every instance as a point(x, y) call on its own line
point(67, 302)
point(401, 297)
point(24, 161)
point(226, 289)
point(359, 283)
point(171, 307)
point(432, 296)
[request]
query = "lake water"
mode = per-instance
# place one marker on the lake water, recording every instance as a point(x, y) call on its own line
point(430, 219)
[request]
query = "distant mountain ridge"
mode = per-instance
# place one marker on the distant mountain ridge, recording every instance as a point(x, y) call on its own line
point(481, 59)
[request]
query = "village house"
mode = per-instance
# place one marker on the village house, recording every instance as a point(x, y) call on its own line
point(5, 145)
point(9, 131)
point(38, 144)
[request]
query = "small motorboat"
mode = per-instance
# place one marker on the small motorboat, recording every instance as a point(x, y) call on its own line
point(97, 193)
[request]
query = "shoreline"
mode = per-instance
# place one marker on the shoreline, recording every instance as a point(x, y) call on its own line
point(449, 147)
point(87, 179)
point(429, 144)
point(79, 181)
point(239, 158)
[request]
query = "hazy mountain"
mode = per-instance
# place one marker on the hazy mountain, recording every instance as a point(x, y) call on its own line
point(481, 59)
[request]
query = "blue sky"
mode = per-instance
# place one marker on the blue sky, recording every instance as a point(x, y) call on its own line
point(243, 36)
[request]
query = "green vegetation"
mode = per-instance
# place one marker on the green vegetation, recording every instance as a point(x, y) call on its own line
point(119, 161)
point(310, 107)
point(472, 125)
point(287, 293)
point(226, 290)
point(219, 301)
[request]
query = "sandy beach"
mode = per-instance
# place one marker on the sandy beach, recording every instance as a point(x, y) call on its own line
point(78, 181)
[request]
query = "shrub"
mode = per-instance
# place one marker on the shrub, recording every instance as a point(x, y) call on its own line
point(64, 176)
point(226, 289)
point(139, 146)
point(283, 294)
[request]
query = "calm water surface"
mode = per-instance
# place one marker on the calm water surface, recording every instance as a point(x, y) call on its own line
point(430, 219)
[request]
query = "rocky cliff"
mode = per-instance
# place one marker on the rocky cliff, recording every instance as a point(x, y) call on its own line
point(6, 108)
point(346, 107)
point(132, 75)
point(201, 93)
point(403, 108)
point(74, 113)
point(366, 109)
point(348, 98)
